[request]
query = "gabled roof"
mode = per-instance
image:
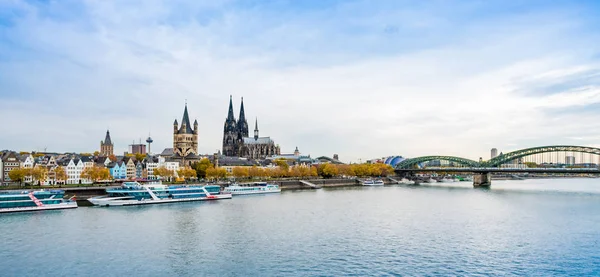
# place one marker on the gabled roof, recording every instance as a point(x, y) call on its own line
point(86, 159)
point(167, 152)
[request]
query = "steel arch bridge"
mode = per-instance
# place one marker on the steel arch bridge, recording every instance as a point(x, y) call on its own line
point(505, 158)
point(410, 163)
point(502, 159)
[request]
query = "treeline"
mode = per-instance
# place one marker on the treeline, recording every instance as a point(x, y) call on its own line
point(206, 170)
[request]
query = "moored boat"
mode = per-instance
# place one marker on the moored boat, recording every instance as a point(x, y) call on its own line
point(255, 188)
point(134, 193)
point(431, 180)
point(405, 181)
point(371, 182)
point(38, 200)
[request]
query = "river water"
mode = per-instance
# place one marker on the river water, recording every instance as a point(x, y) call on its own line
point(517, 228)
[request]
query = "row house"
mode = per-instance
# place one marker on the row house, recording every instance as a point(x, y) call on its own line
point(27, 161)
point(88, 162)
point(151, 164)
point(8, 162)
point(140, 170)
point(74, 168)
point(130, 164)
point(172, 165)
point(49, 163)
point(118, 170)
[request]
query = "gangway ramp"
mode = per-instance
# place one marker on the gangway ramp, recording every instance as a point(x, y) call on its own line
point(310, 184)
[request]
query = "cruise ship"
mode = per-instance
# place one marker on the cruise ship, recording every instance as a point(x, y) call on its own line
point(134, 193)
point(255, 188)
point(38, 200)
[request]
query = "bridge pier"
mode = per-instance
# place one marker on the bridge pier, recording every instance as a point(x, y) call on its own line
point(482, 180)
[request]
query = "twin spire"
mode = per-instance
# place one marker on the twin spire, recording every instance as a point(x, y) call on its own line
point(241, 123)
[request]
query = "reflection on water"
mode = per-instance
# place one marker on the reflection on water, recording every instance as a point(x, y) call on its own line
point(528, 227)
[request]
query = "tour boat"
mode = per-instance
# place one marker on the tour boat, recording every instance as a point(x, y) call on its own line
point(134, 193)
point(371, 182)
point(255, 188)
point(39, 200)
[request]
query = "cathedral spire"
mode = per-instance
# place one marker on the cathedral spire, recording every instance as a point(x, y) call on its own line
point(230, 114)
point(256, 129)
point(242, 124)
point(242, 115)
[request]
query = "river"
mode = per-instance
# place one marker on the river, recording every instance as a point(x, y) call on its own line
point(516, 228)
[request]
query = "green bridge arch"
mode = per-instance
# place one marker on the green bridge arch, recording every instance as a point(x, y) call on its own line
point(409, 163)
point(502, 159)
point(508, 157)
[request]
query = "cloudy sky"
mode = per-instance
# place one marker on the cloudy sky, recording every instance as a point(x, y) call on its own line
point(362, 79)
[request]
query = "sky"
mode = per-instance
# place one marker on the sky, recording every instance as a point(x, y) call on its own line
point(361, 79)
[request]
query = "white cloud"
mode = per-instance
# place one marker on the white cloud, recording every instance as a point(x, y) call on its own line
point(312, 83)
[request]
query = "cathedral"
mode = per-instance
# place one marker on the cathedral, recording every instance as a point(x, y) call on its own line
point(236, 140)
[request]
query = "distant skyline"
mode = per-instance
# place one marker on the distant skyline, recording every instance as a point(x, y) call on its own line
point(362, 79)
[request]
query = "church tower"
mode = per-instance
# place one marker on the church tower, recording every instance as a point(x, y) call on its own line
point(230, 133)
point(185, 139)
point(106, 146)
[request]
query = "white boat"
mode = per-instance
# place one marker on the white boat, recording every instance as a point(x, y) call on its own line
point(447, 180)
point(371, 182)
point(134, 193)
point(40, 200)
point(255, 188)
point(405, 181)
point(431, 180)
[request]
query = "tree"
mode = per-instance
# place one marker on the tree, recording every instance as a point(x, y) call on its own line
point(201, 167)
point(140, 157)
point(103, 174)
point(23, 153)
point(186, 173)
point(346, 170)
point(328, 170)
point(240, 172)
point(38, 174)
point(217, 173)
point(18, 175)
point(96, 153)
point(85, 154)
point(60, 174)
point(95, 173)
point(112, 157)
point(313, 171)
point(254, 172)
point(531, 164)
point(163, 172)
point(282, 163)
